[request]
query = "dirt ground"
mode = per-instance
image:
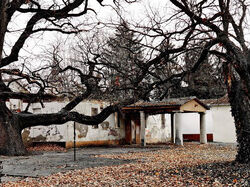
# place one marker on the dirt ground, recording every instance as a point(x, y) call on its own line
point(159, 165)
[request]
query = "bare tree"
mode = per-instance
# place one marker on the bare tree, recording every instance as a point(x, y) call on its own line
point(54, 77)
point(43, 16)
point(217, 29)
point(224, 26)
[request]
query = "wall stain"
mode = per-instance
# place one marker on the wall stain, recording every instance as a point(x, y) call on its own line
point(113, 132)
point(105, 125)
point(82, 129)
point(148, 135)
point(39, 138)
point(25, 136)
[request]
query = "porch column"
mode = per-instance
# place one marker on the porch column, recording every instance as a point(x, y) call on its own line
point(203, 133)
point(178, 131)
point(172, 128)
point(143, 125)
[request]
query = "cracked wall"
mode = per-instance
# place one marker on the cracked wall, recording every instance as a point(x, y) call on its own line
point(105, 133)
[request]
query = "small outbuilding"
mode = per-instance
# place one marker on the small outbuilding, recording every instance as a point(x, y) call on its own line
point(136, 116)
point(172, 120)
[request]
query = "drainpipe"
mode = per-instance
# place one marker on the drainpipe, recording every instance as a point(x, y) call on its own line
point(1, 170)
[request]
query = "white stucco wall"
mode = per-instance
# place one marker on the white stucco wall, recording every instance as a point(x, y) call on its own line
point(190, 122)
point(155, 133)
point(223, 122)
point(84, 133)
point(187, 123)
point(52, 133)
point(219, 122)
point(105, 130)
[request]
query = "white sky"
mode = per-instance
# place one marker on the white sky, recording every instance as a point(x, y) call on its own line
point(39, 42)
point(135, 12)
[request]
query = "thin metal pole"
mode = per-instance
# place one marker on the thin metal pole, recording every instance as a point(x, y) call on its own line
point(1, 170)
point(74, 141)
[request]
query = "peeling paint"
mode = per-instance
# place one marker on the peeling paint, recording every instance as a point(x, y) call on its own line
point(39, 138)
point(82, 129)
point(148, 134)
point(112, 132)
point(61, 137)
point(25, 136)
point(84, 133)
point(105, 125)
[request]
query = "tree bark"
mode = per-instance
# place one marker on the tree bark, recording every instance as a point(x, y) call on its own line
point(240, 104)
point(2, 25)
point(10, 133)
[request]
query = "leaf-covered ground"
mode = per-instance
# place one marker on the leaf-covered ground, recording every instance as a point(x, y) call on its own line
point(46, 147)
point(191, 165)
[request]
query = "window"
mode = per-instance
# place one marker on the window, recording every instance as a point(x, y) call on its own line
point(94, 111)
point(163, 119)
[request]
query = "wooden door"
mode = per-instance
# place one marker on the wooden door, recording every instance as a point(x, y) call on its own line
point(128, 133)
point(137, 131)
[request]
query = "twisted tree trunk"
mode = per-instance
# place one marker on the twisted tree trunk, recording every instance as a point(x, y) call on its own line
point(240, 104)
point(10, 133)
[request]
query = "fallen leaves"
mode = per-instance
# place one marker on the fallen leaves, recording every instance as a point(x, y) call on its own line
point(191, 165)
point(46, 147)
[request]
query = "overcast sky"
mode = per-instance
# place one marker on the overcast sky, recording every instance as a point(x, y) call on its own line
point(135, 12)
point(39, 42)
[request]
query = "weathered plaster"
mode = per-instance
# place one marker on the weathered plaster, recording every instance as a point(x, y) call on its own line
point(219, 122)
point(155, 132)
point(82, 130)
point(105, 125)
point(223, 123)
point(25, 136)
point(113, 132)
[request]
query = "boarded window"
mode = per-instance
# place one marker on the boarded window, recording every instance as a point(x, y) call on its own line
point(94, 111)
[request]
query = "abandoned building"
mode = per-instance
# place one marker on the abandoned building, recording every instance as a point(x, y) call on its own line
point(173, 120)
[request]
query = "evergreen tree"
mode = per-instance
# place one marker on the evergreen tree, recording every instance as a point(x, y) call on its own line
point(123, 57)
point(207, 81)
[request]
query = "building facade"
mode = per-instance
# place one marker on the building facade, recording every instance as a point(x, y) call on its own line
point(124, 129)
